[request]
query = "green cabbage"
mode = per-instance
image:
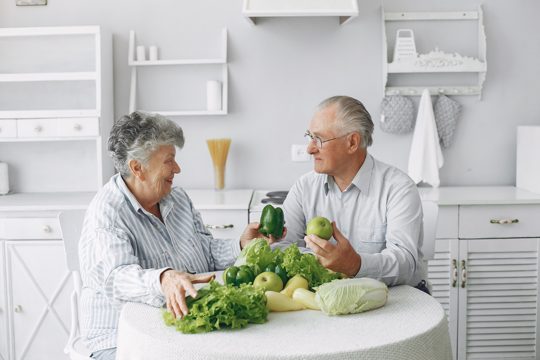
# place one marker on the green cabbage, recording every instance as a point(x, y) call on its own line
point(350, 296)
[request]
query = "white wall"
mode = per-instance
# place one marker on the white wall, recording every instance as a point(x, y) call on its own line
point(280, 69)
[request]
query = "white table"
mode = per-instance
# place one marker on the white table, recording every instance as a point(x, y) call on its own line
point(412, 325)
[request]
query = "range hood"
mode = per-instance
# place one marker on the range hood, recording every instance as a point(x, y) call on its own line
point(344, 9)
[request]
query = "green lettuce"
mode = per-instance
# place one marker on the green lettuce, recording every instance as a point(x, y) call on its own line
point(221, 306)
point(307, 265)
point(258, 255)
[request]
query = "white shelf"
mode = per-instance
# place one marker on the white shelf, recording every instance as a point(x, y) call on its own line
point(47, 139)
point(42, 201)
point(344, 9)
point(394, 68)
point(40, 114)
point(65, 76)
point(465, 65)
point(222, 61)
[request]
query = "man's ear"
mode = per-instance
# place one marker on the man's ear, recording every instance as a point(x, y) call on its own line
point(136, 169)
point(354, 141)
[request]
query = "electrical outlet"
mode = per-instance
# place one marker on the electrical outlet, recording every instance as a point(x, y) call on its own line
point(299, 153)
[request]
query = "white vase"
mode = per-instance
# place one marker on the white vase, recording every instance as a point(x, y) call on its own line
point(213, 95)
point(4, 179)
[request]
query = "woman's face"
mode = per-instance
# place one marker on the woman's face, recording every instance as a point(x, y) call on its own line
point(160, 171)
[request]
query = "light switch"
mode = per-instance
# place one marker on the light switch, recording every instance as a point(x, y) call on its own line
point(299, 153)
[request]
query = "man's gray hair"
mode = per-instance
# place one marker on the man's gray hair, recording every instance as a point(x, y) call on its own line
point(138, 135)
point(352, 116)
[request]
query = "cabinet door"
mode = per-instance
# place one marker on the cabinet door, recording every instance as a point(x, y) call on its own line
point(3, 307)
point(443, 276)
point(498, 305)
point(225, 224)
point(39, 286)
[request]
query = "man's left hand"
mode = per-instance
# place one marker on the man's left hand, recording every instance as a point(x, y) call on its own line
point(340, 257)
point(252, 232)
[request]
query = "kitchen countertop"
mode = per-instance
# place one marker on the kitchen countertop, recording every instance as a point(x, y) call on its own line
point(208, 199)
point(479, 195)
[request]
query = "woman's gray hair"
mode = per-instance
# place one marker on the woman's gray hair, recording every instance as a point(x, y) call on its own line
point(352, 116)
point(137, 135)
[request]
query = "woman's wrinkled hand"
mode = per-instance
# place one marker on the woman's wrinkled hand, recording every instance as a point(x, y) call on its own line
point(176, 285)
point(252, 232)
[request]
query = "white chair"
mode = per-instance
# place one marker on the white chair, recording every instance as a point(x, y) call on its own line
point(431, 215)
point(71, 224)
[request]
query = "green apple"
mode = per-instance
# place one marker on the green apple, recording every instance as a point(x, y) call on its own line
point(320, 226)
point(269, 281)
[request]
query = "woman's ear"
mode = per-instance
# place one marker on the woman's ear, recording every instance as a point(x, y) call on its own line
point(136, 169)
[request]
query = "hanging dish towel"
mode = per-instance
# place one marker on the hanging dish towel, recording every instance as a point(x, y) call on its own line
point(397, 114)
point(447, 112)
point(425, 158)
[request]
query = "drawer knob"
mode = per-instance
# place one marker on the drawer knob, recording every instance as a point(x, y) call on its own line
point(214, 227)
point(77, 127)
point(18, 309)
point(38, 128)
point(47, 229)
point(504, 221)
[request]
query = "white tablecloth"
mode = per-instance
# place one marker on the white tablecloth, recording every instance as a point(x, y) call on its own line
point(412, 325)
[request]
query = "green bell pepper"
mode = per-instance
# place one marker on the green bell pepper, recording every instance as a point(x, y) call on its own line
point(278, 269)
point(236, 275)
point(272, 221)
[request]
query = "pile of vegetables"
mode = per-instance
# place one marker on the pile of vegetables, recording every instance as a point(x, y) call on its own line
point(259, 256)
point(221, 306)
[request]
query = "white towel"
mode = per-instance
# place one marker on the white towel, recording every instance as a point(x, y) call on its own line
point(425, 158)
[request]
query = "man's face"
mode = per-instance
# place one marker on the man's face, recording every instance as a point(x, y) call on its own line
point(160, 171)
point(332, 156)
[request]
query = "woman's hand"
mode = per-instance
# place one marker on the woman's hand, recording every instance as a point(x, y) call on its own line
point(176, 285)
point(252, 232)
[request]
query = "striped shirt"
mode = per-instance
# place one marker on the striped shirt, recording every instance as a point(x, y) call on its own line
point(380, 213)
point(124, 249)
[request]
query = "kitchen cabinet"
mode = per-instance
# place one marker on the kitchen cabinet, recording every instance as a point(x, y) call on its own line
point(485, 270)
point(56, 100)
point(3, 307)
point(191, 65)
point(35, 282)
point(224, 212)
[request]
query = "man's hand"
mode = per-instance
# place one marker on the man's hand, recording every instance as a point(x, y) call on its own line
point(176, 285)
point(340, 257)
point(252, 231)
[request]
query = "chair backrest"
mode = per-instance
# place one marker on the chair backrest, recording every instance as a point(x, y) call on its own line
point(431, 214)
point(71, 222)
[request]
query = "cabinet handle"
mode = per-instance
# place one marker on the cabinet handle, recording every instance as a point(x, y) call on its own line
point(18, 309)
point(77, 127)
point(504, 221)
point(47, 229)
point(454, 272)
point(214, 227)
point(463, 274)
point(38, 128)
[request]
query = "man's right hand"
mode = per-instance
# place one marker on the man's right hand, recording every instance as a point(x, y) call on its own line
point(176, 285)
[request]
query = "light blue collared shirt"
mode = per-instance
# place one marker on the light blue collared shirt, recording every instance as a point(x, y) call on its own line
point(380, 213)
point(124, 249)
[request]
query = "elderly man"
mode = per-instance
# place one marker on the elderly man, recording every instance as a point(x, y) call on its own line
point(142, 239)
point(375, 208)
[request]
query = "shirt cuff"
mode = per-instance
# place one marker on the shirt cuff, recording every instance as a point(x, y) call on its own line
point(235, 248)
point(369, 267)
point(156, 283)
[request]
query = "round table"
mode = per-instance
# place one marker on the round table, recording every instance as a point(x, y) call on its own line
point(412, 325)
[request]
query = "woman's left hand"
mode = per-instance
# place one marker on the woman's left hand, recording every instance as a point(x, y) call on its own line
point(252, 232)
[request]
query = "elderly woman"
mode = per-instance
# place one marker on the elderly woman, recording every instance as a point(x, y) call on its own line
point(142, 239)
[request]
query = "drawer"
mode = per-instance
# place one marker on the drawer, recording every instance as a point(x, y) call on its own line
point(447, 222)
point(36, 128)
point(78, 127)
point(8, 128)
point(225, 224)
point(499, 221)
point(30, 228)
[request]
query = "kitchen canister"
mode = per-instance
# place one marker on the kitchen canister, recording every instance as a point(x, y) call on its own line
point(213, 95)
point(141, 53)
point(4, 179)
point(153, 53)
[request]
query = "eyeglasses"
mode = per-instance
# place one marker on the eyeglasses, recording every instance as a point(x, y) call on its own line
point(318, 141)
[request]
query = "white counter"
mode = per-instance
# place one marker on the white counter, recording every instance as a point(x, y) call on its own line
point(479, 195)
point(205, 199)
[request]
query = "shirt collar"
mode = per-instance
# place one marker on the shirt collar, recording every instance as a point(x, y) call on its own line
point(361, 180)
point(165, 205)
